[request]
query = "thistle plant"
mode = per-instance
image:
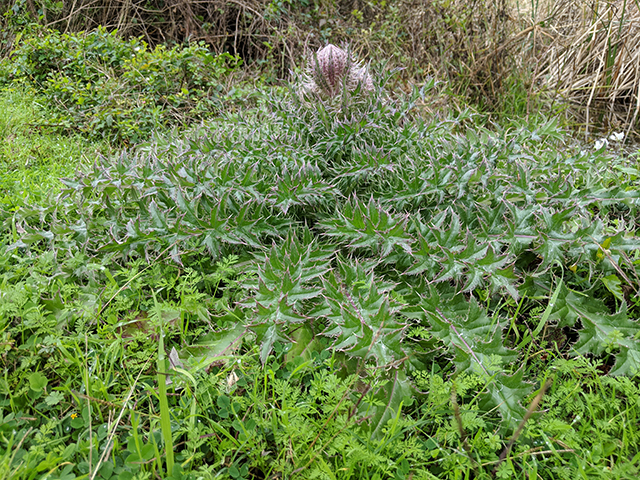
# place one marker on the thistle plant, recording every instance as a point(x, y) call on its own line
point(331, 70)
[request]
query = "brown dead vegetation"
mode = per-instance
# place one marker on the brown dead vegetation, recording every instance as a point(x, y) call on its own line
point(592, 61)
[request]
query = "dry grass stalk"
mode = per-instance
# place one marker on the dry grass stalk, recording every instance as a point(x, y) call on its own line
point(593, 61)
point(466, 42)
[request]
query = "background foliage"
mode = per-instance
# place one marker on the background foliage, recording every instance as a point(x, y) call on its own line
point(105, 87)
point(475, 46)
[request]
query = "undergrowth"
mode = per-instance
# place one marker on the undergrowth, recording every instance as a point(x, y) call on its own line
point(327, 288)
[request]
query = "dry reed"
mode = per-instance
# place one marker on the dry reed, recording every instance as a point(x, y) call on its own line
point(592, 62)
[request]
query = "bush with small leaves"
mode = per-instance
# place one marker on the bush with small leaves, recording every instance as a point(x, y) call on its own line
point(105, 87)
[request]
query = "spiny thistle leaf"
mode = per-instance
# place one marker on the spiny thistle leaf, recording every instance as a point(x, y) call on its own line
point(601, 330)
point(369, 226)
point(474, 338)
point(506, 393)
point(476, 342)
point(303, 187)
point(288, 280)
point(470, 262)
point(341, 166)
point(362, 318)
point(558, 234)
point(178, 202)
point(395, 393)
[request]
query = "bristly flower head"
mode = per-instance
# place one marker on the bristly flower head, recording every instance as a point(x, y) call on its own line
point(332, 68)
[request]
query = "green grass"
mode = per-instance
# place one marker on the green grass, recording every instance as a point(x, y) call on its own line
point(33, 157)
point(318, 288)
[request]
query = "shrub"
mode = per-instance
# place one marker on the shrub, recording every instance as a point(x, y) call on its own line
point(104, 86)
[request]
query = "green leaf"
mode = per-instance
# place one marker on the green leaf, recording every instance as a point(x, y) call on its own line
point(212, 347)
point(362, 317)
point(369, 226)
point(289, 279)
point(165, 416)
point(474, 338)
point(54, 398)
point(37, 382)
point(613, 283)
point(395, 393)
point(601, 330)
point(506, 393)
point(304, 343)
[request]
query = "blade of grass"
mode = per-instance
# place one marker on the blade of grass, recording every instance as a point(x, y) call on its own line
point(532, 408)
point(165, 417)
point(112, 433)
point(544, 318)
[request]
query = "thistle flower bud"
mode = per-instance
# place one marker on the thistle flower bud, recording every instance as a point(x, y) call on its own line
point(331, 68)
point(331, 64)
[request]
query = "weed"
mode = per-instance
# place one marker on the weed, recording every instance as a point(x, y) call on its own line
point(328, 286)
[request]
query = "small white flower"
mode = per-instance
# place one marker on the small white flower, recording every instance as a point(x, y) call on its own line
point(616, 136)
point(603, 142)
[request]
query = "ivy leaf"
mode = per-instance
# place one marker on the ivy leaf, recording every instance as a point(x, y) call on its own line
point(54, 398)
point(37, 381)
